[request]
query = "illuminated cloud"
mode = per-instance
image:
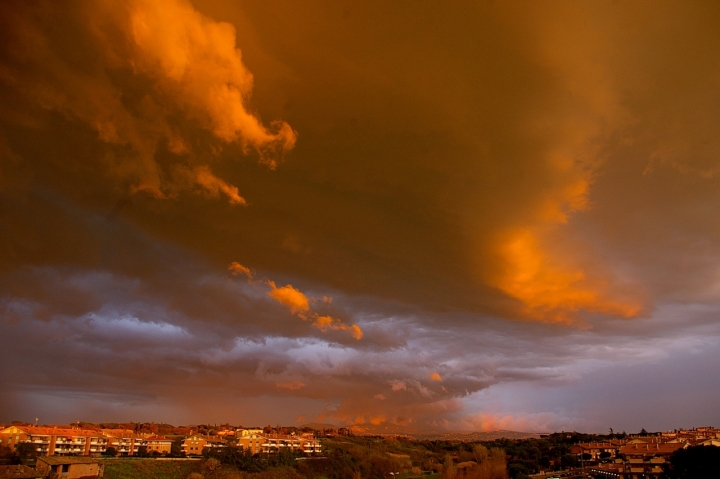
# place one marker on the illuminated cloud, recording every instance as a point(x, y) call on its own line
point(214, 186)
point(551, 292)
point(541, 422)
point(324, 323)
point(435, 377)
point(236, 268)
point(299, 304)
point(288, 296)
point(294, 385)
point(188, 76)
point(197, 59)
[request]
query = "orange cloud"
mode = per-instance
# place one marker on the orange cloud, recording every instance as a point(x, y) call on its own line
point(549, 291)
point(291, 385)
point(324, 323)
point(236, 269)
point(377, 420)
point(295, 300)
point(185, 64)
point(539, 422)
point(436, 377)
point(549, 284)
point(299, 304)
point(214, 185)
point(195, 58)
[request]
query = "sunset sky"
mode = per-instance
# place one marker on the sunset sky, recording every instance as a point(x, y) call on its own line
point(438, 215)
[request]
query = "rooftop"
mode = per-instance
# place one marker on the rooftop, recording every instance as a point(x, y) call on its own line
point(54, 460)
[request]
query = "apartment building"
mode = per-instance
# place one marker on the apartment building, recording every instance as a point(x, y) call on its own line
point(50, 441)
point(597, 450)
point(305, 443)
point(195, 445)
point(252, 441)
point(55, 441)
point(125, 442)
point(158, 444)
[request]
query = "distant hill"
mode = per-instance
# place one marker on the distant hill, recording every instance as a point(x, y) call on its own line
point(465, 436)
point(319, 426)
point(475, 436)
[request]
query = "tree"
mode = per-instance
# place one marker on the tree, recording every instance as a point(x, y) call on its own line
point(210, 466)
point(243, 459)
point(176, 448)
point(695, 462)
point(110, 451)
point(569, 460)
point(25, 452)
point(518, 470)
point(449, 469)
point(480, 452)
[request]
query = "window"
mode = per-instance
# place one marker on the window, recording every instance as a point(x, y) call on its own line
point(65, 467)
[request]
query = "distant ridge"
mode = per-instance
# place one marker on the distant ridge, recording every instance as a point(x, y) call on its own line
point(319, 426)
point(475, 436)
point(464, 436)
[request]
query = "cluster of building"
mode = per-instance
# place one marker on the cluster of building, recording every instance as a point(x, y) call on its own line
point(254, 440)
point(640, 457)
point(54, 441)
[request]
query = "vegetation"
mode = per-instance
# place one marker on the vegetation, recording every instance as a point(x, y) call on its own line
point(696, 462)
point(23, 454)
point(149, 469)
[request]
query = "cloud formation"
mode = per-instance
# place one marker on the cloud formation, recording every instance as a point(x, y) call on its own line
point(196, 59)
point(299, 304)
point(186, 69)
point(497, 213)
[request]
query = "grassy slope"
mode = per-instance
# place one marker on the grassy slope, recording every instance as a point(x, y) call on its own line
point(149, 469)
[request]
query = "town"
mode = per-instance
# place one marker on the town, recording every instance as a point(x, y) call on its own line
point(85, 450)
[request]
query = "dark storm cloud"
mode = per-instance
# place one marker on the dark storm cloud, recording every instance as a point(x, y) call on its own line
point(501, 198)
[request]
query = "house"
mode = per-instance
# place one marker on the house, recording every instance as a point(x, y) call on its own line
point(709, 442)
point(215, 443)
point(643, 460)
point(650, 450)
point(58, 467)
point(253, 442)
point(124, 441)
point(158, 444)
point(195, 444)
point(596, 449)
point(19, 472)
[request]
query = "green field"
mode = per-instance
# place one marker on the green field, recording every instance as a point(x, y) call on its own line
point(148, 469)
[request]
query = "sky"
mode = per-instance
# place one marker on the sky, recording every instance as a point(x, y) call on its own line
point(413, 214)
